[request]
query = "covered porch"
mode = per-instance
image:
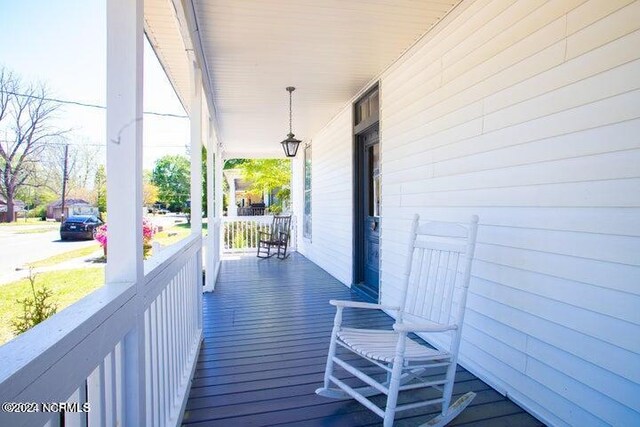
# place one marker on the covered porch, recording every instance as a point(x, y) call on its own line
point(265, 337)
point(525, 113)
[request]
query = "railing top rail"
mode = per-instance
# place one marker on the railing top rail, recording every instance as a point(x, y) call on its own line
point(48, 362)
point(260, 218)
point(29, 356)
point(157, 263)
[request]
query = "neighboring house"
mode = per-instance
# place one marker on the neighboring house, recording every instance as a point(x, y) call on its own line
point(19, 207)
point(525, 113)
point(247, 203)
point(71, 207)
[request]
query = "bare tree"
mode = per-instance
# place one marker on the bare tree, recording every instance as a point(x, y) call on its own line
point(25, 128)
point(53, 159)
point(82, 162)
point(89, 158)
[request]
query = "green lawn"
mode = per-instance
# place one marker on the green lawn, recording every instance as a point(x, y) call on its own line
point(31, 226)
point(34, 230)
point(29, 221)
point(187, 226)
point(175, 233)
point(66, 256)
point(67, 286)
point(171, 235)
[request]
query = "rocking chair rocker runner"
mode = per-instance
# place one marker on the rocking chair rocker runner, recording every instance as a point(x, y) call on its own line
point(277, 236)
point(438, 268)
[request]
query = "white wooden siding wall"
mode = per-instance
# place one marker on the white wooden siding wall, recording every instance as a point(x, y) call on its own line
point(332, 199)
point(526, 113)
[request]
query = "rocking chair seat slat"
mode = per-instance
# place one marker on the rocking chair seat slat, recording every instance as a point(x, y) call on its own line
point(423, 327)
point(366, 305)
point(381, 346)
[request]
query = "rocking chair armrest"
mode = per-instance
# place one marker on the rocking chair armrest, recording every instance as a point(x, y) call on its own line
point(356, 304)
point(423, 327)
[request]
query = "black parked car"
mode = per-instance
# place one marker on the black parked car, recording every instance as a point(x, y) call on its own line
point(79, 227)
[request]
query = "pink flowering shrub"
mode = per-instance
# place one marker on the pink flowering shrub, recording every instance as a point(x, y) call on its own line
point(148, 231)
point(101, 235)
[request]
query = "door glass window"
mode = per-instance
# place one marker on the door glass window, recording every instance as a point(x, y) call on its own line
point(373, 103)
point(362, 111)
point(367, 107)
point(373, 154)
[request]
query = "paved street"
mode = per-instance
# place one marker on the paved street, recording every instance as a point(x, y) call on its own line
point(20, 245)
point(17, 249)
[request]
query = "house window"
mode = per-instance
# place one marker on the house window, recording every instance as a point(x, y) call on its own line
point(306, 225)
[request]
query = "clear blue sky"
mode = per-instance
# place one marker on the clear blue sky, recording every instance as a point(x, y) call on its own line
point(62, 43)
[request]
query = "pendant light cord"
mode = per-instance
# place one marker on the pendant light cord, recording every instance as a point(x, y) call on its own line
point(290, 113)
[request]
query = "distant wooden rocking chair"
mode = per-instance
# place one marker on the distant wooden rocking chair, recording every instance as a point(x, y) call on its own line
point(432, 303)
point(277, 236)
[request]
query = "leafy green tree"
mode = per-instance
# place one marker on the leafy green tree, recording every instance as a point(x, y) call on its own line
point(234, 163)
point(171, 175)
point(266, 175)
point(35, 195)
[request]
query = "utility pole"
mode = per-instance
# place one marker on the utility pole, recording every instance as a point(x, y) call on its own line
point(64, 180)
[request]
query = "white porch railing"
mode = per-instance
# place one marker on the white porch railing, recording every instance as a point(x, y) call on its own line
point(242, 233)
point(78, 356)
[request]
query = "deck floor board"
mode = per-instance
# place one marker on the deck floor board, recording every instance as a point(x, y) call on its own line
point(266, 334)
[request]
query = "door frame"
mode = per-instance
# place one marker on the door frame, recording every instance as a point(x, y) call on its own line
point(359, 200)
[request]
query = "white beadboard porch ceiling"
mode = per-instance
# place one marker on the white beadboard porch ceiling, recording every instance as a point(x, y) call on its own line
point(328, 49)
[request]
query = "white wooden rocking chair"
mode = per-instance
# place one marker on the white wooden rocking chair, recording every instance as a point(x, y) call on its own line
point(438, 269)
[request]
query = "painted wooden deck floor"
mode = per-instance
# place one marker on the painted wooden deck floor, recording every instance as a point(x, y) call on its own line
point(266, 334)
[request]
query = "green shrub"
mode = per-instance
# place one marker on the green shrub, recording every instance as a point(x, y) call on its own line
point(239, 242)
point(39, 212)
point(35, 309)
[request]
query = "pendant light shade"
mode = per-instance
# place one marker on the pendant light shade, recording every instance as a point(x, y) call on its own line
point(290, 145)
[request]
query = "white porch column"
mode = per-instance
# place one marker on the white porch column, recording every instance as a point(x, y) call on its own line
point(213, 256)
point(196, 150)
point(219, 177)
point(196, 172)
point(124, 185)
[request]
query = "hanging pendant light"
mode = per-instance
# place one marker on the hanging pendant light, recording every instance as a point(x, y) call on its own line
point(290, 145)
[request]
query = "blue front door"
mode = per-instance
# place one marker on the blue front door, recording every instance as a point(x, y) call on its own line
point(368, 213)
point(372, 218)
